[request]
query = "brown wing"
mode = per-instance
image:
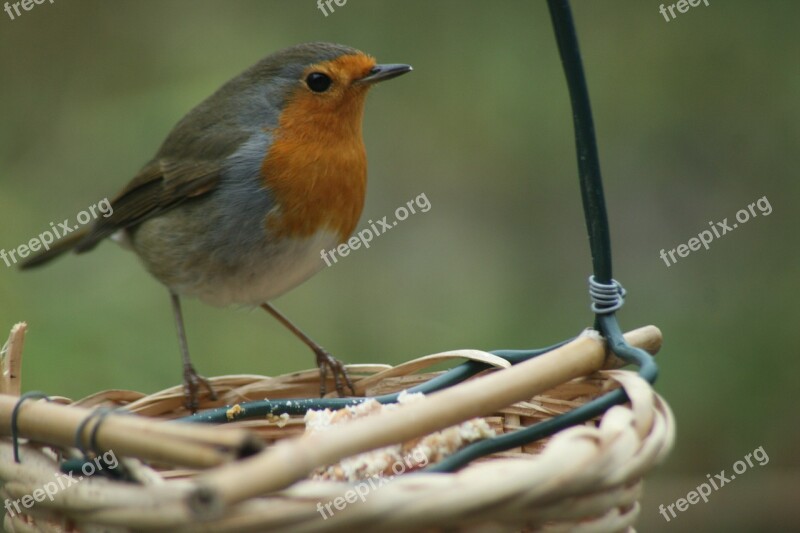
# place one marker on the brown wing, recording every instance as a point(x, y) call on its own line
point(160, 186)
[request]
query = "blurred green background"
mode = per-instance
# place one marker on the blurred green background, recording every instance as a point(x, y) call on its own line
point(696, 118)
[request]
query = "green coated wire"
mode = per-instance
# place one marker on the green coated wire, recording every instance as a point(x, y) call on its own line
point(600, 242)
point(299, 406)
point(594, 205)
point(592, 184)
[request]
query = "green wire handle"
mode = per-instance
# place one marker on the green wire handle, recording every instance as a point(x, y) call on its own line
point(594, 205)
point(606, 293)
point(591, 182)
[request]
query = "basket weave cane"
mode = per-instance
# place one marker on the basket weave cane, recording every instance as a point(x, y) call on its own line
point(190, 478)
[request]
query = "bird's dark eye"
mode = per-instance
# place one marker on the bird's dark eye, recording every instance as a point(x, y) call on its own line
point(318, 82)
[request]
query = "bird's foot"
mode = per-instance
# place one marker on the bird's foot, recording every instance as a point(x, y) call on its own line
point(326, 362)
point(191, 387)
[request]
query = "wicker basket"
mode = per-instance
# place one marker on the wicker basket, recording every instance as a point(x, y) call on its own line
point(587, 478)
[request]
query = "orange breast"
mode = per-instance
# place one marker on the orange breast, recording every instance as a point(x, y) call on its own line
point(316, 168)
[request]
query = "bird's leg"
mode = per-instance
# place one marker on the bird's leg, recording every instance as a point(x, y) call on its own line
point(325, 361)
point(191, 379)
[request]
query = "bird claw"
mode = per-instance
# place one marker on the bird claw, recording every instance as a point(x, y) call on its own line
point(191, 387)
point(326, 362)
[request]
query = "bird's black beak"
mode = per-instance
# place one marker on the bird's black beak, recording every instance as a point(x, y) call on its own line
point(384, 72)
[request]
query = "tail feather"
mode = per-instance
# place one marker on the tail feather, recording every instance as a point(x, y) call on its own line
point(64, 245)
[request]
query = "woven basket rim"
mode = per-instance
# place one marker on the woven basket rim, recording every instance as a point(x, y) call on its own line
point(588, 476)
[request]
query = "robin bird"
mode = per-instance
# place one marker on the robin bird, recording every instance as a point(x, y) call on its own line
point(248, 187)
